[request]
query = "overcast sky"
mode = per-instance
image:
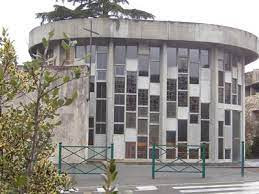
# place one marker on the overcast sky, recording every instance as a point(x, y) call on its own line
point(19, 16)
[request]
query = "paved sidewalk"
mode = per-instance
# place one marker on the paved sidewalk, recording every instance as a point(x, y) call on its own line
point(132, 176)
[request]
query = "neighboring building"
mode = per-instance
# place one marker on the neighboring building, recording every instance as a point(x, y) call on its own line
point(252, 104)
point(160, 82)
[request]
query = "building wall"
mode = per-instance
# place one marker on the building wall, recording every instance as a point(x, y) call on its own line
point(163, 82)
point(74, 123)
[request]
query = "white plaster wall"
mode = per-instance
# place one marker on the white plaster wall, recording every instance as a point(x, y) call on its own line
point(205, 74)
point(119, 146)
point(93, 69)
point(92, 105)
point(100, 140)
point(154, 89)
point(234, 72)
point(205, 91)
point(143, 82)
point(172, 73)
point(228, 136)
point(228, 76)
point(130, 135)
point(171, 124)
point(194, 137)
point(221, 114)
point(240, 73)
point(194, 90)
point(132, 65)
point(183, 112)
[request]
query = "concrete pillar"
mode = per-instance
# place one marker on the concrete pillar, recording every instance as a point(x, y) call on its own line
point(213, 104)
point(242, 137)
point(110, 90)
point(163, 95)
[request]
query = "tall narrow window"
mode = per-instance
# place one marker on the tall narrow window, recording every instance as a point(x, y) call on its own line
point(205, 131)
point(194, 105)
point(80, 52)
point(131, 82)
point(91, 137)
point(120, 55)
point(153, 134)
point(171, 57)
point(143, 65)
point(142, 97)
point(221, 148)
point(154, 103)
point(221, 95)
point(130, 150)
point(182, 65)
point(119, 114)
point(205, 110)
point(205, 59)
point(182, 130)
point(171, 109)
point(101, 90)
point(171, 89)
point(194, 73)
point(182, 82)
point(132, 52)
point(100, 128)
point(227, 117)
point(155, 64)
point(142, 126)
point(119, 84)
point(142, 147)
point(154, 71)
point(221, 78)
point(102, 60)
point(220, 128)
point(194, 66)
point(227, 93)
point(118, 129)
point(170, 138)
point(130, 120)
point(183, 99)
point(239, 94)
point(131, 102)
point(227, 61)
point(142, 111)
point(100, 110)
point(92, 81)
point(119, 99)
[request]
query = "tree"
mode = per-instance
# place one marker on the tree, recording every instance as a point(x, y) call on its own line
point(29, 102)
point(93, 9)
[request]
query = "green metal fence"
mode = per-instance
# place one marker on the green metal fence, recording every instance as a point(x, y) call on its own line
point(183, 162)
point(83, 159)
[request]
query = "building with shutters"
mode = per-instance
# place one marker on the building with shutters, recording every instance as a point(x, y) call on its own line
point(159, 82)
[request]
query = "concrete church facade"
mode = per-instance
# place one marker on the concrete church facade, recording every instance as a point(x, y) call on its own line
point(169, 83)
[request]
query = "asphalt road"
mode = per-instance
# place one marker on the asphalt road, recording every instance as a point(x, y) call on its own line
point(137, 179)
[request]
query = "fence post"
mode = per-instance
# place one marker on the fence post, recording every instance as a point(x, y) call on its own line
point(112, 151)
point(153, 160)
point(59, 157)
point(203, 160)
point(242, 159)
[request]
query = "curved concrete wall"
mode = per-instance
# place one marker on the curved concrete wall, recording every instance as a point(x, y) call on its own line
point(152, 30)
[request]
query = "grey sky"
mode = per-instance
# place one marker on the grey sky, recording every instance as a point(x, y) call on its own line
point(19, 16)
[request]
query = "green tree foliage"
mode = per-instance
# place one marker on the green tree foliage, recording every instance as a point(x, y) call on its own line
point(29, 101)
point(93, 9)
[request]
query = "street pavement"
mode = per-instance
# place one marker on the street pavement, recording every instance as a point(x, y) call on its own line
point(137, 179)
